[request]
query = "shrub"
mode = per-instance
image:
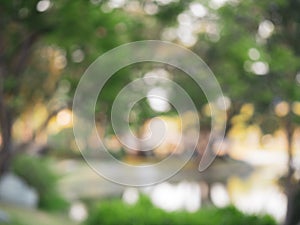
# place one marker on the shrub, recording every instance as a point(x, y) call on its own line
point(144, 213)
point(38, 174)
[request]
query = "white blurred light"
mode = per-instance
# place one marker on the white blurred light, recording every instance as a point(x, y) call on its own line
point(185, 195)
point(185, 19)
point(157, 100)
point(156, 76)
point(253, 54)
point(265, 29)
point(189, 40)
point(164, 2)
point(198, 9)
point(186, 36)
point(116, 3)
point(78, 56)
point(78, 212)
point(162, 73)
point(260, 68)
point(64, 117)
point(130, 196)
point(219, 195)
point(43, 5)
point(223, 103)
point(216, 4)
point(257, 201)
point(155, 134)
point(151, 8)
point(183, 31)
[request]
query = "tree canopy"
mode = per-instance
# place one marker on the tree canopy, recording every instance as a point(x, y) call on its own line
point(45, 46)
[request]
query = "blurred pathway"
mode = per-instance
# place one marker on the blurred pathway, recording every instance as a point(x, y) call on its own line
point(32, 217)
point(80, 181)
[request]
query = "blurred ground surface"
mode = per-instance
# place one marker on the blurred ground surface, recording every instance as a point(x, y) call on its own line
point(35, 217)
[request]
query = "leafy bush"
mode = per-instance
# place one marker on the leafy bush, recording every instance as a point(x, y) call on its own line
point(144, 213)
point(38, 174)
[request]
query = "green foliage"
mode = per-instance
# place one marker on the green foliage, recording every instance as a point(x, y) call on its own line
point(61, 144)
point(144, 213)
point(229, 57)
point(38, 174)
point(169, 13)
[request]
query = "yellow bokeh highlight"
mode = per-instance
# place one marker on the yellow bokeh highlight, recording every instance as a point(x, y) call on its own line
point(247, 110)
point(296, 108)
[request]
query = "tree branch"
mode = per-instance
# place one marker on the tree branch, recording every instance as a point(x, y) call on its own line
point(39, 130)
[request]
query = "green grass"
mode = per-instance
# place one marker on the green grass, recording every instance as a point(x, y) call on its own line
point(144, 213)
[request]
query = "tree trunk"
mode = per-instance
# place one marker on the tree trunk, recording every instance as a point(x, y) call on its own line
point(293, 207)
point(292, 187)
point(6, 130)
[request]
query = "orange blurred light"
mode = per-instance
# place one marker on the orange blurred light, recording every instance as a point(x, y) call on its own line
point(282, 109)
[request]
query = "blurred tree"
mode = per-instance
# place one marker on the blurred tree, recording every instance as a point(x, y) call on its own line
point(257, 60)
point(251, 46)
point(45, 46)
